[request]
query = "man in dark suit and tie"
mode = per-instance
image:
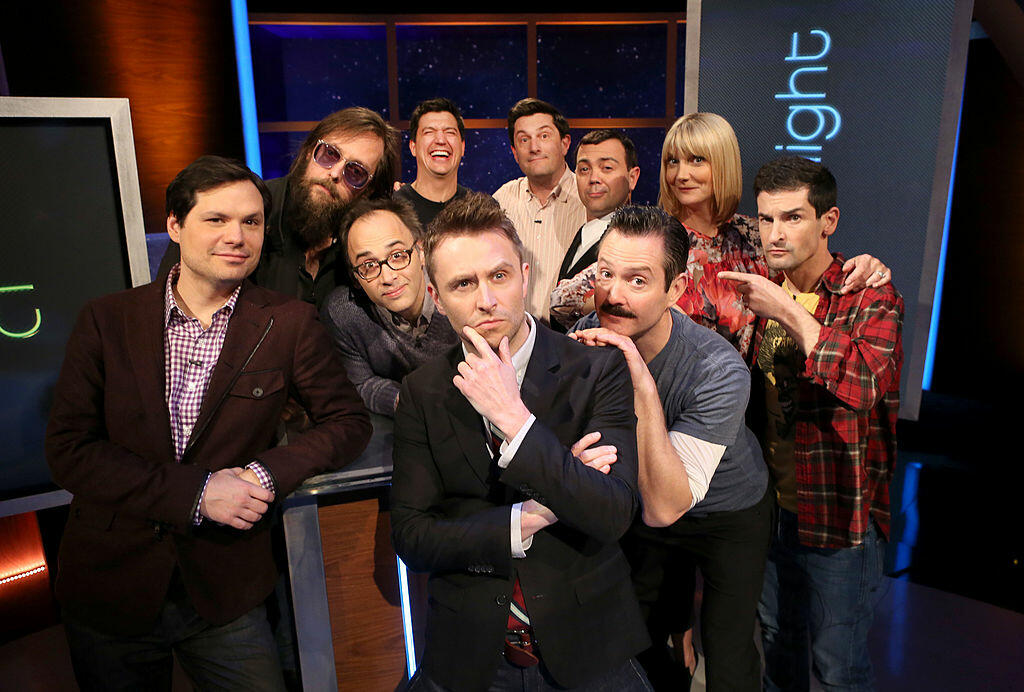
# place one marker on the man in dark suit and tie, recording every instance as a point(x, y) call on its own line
point(607, 171)
point(528, 586)
point(163, 427)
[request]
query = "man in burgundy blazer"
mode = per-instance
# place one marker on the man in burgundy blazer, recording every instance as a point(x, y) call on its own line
point(166, 546)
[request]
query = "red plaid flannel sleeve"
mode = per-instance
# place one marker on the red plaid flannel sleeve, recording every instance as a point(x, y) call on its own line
point(856, 357)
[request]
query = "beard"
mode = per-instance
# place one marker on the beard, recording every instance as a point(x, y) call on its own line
point(314, 220)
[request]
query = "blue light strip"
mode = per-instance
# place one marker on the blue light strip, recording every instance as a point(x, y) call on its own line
point(908, 510)
point(246, 88)
point(933, 328)
point(410, 645)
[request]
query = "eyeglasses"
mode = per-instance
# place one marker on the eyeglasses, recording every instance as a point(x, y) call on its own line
point(355, 174)
point(370, 269)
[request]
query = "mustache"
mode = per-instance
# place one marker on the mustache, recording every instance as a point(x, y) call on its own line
point(308, 184)
point(616, 311)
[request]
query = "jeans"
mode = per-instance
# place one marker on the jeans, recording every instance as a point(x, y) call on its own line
point(240, 655)
point(822, 598)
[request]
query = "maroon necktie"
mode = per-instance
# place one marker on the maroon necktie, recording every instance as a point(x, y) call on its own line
point(517, 617)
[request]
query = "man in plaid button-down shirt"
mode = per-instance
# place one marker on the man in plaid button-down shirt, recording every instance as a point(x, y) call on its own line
point(827, 371)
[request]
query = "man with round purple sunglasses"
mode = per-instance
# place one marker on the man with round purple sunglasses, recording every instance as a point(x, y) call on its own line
point(350, 154)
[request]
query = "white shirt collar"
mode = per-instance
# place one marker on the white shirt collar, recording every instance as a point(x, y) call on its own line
point(591, 233)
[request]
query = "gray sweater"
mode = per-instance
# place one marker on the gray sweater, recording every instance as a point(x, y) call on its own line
point(378, 356)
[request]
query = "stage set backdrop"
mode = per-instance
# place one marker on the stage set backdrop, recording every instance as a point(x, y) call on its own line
point(873, 91)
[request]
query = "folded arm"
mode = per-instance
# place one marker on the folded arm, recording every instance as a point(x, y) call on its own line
point(596, 504)
point(431, 529)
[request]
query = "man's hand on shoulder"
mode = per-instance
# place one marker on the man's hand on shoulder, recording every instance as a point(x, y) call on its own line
point(235, 498)
point(602, 336)
point(488, 381)
point(864, 271)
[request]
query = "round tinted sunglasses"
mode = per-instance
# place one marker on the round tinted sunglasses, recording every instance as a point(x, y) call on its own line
point(328, 156)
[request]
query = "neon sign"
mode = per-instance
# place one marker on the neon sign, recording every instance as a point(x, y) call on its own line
point(824, 119)
point(31, 331)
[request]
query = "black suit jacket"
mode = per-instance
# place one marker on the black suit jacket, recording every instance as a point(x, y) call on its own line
point(569, 269)
point(451, 506)
point(109, 443)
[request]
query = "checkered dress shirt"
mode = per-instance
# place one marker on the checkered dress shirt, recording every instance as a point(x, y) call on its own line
point(190, 354)
point(847, 406)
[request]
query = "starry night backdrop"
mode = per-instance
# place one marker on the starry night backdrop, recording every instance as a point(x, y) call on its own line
point(302, 73)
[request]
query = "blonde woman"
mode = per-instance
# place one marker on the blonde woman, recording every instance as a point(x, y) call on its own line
point(701, 183)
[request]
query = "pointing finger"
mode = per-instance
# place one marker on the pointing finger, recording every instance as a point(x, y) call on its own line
point(738, 277)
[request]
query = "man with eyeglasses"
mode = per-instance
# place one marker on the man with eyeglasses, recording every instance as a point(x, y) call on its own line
point(350, 154)
point(389, 326)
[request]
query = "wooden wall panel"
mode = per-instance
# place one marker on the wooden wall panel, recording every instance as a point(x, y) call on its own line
point(173, 59)
point(25, 602)
point(363, 596)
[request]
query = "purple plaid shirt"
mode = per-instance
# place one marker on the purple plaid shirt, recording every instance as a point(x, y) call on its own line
point(190, 354)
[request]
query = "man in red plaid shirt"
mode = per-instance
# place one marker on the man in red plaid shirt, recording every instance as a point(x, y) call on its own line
point(825, 402)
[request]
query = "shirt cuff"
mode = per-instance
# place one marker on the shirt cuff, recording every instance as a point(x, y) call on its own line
point(266, 480)
point(519, 546)
point(197, 517)
point(509, 448)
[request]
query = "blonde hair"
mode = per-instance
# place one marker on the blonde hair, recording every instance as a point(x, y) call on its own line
point(711, 137)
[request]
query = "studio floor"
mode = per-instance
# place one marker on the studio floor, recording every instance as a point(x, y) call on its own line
point(923, 639)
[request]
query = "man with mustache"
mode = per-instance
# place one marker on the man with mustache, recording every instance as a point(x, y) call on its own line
point(388, 326)
point(437, 141)
point(163, 427)
point(350, 154)
point(825, 403)
point(703, 481)
point(544, 205)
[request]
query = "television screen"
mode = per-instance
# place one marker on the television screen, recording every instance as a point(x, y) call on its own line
point(66, 238)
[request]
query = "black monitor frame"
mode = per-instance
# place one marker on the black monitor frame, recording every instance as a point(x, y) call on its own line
point(118, 116)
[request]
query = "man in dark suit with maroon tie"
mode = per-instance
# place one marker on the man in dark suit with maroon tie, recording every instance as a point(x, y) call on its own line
point(163, 427)
point(528, 586)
